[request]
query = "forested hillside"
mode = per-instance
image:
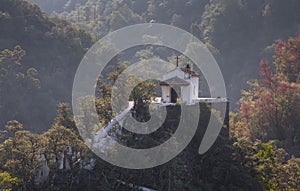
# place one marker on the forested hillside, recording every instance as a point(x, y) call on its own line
point(240, 33)
point(48, 50)
point(41, 48)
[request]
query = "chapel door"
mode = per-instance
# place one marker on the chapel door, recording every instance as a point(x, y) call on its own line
point(174, 96)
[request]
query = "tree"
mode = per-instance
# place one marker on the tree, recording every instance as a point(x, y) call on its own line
point(19, 154)
point(7, 182)
point(287, 59)
point(16, 82)
point(142, 95)
point(270, 108)
point(62, 146)
point(271, 165)
point(288, 175)
point(22, 154)
point(65, 117)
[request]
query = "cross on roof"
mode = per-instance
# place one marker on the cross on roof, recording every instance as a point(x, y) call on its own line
point(177, 59)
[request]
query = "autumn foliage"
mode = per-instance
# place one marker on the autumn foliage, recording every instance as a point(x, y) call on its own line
point(270, 108)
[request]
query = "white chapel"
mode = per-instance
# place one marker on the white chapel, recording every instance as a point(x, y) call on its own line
point(183, 81)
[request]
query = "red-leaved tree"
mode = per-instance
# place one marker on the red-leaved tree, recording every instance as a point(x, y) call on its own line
point(270, 109)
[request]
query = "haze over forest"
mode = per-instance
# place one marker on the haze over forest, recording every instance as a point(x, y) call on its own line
point(255, 42)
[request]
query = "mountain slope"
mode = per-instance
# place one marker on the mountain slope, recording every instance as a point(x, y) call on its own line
point(53, 47)
point(240, 33)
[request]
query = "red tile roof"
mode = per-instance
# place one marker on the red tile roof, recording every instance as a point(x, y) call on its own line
point(187, 70)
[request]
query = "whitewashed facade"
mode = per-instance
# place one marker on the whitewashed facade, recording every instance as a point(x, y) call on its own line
point(180, 82)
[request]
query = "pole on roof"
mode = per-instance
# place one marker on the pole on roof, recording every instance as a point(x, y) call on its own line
point(177, 59)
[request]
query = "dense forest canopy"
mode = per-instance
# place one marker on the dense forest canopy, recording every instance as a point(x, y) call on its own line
point(51, 51)
point(240, 33)
point(254, 41)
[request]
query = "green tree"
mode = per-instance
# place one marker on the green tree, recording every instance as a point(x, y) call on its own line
point(19, 154)
point(13, 80)
point(271, 165)
point(65, 117)
point(142, 95)
point(61, 142)
point(7, 182)
point(288, 175)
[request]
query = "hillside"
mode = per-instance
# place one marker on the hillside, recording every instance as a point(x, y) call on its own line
point(44, 149)
point(53, 47)
point(239, 33)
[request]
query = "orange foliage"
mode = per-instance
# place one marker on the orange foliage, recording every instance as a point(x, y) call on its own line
point(270, 108)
